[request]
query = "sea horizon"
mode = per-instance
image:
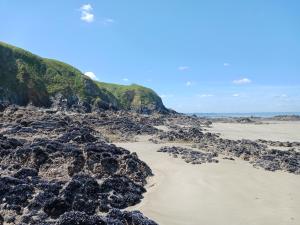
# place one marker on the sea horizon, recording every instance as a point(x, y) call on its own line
point(249, 114)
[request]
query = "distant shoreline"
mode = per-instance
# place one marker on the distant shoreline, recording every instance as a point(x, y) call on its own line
point(252, 114)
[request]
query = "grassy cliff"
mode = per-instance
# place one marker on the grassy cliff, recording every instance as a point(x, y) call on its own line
point(133, 96)
point(27, 78)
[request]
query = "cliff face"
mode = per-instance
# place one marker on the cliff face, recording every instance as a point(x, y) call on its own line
point(26, 78)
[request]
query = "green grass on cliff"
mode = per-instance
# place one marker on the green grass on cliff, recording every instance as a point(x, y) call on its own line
point(25, 77)
point(131, 95)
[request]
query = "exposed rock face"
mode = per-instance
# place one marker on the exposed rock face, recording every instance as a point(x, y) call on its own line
point(115, 217)
point(111, 124)
point(59, 171)
point(190, 156)
point(186, 134)
point(285, 144)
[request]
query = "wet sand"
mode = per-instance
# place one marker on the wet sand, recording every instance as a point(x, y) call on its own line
point(230, 192)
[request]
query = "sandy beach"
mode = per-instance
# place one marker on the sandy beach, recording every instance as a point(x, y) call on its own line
point(269, 130)
point(229, 192)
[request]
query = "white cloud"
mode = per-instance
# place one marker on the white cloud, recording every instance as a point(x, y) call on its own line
point(125, 79)
point(226, 64)
point(236, 95)
point(87, 17)
point(205, 95)
point(242, 81)
point(86, 7)
point(90, 75)
point(282, 96)
point(188, 83)
point(183, 68)
point(86, 13)
point(108, 21)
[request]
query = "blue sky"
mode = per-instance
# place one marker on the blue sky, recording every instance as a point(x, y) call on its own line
point(199, 56)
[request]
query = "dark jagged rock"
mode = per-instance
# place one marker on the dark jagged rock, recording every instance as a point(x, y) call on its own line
point(115, 217)
point(285, 144)
point(190, 156)
point(56, 207)
point(26, 172)
point(131, 218)
point(257, 153)
point(79, 135)
point(60, 170)
point(109, 165)
point(1, 220)
point(185, 134)
point(124, 192)
point(79, 218)
point(79, 127)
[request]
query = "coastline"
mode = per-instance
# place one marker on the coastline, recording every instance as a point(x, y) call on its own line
point(186, 171)
point(235, 191)
point(261, 115)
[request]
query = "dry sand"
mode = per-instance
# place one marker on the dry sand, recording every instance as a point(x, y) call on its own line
point(227, 193)
point(272, 130)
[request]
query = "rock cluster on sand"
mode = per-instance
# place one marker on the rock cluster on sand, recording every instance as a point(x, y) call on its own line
point(285, 144)
point(58, 168)
point(185, 134)
point(190, 156)
point(70, 176)
point(115, 125)
point(256, 152)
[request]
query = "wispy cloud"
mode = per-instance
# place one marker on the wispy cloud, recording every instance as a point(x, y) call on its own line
point(86, 13)
point(205, 95)
point(226, 64)
point(183, 68)
point(189, 83)
point(242, 81)
point(281, 96)
point(236, 95)
point(91, 75)
point(125, 79)
point(108, 21)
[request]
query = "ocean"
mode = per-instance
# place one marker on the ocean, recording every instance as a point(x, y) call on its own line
point(252, 114)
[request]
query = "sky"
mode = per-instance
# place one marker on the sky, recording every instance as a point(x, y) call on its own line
point(199, 56)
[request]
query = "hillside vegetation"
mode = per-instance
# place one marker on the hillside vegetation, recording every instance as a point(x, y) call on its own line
point(26, 78)
point(133, 96)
